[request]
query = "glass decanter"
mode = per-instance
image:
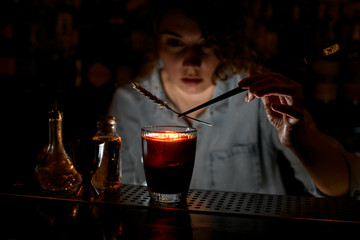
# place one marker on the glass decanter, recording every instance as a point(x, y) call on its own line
point(56, 171)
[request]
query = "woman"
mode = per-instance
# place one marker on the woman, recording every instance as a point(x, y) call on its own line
point(201, 53)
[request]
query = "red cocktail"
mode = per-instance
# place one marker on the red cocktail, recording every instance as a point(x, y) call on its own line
point(168, 154)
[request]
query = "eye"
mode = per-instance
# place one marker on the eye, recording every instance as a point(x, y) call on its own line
point(206, 44)
point(207, 47)
point(172, 42)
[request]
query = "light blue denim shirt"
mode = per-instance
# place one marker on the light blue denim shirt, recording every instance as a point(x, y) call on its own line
point(238, 153)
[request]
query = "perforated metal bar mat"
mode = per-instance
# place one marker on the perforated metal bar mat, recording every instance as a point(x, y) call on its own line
point(296, 207)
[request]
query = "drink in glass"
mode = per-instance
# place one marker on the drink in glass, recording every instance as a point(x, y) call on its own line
point(168, 155)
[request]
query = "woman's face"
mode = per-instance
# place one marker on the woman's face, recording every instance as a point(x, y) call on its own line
point(188, 60)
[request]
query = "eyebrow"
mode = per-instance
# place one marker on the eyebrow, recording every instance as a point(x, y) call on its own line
point(172, 34)
point(175, 34)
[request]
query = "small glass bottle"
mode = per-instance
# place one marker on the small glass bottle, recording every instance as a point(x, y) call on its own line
point(108, 175)
point(56, 171)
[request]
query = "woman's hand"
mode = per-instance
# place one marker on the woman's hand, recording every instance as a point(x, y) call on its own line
point(283, 103)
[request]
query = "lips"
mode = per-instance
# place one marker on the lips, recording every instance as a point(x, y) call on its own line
point(193, 80)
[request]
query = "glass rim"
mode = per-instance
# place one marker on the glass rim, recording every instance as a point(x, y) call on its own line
point(186, 129)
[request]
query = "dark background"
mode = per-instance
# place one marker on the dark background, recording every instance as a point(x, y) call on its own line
point(75, 53)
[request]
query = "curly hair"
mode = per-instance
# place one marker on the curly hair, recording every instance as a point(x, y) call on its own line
point(222, 26)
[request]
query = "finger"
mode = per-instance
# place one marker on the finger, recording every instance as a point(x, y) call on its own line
point(253, 73)
point(246, 82)
point(270, 85)
point(246, 98)
point(249, 97)
point(270, 113)
point(283, 100)
point(277, 90)
point(287, 110)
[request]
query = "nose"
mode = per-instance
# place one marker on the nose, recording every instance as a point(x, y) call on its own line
point(192, 57)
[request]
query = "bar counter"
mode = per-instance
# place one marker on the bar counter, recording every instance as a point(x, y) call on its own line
point(129, 214)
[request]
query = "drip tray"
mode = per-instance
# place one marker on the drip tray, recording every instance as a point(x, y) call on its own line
point(235, 203)
point(298, 207)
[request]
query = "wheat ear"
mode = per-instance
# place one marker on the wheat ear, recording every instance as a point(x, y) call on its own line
point(160, 102)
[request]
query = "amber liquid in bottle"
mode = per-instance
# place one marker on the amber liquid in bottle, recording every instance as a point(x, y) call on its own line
point(108, 175)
